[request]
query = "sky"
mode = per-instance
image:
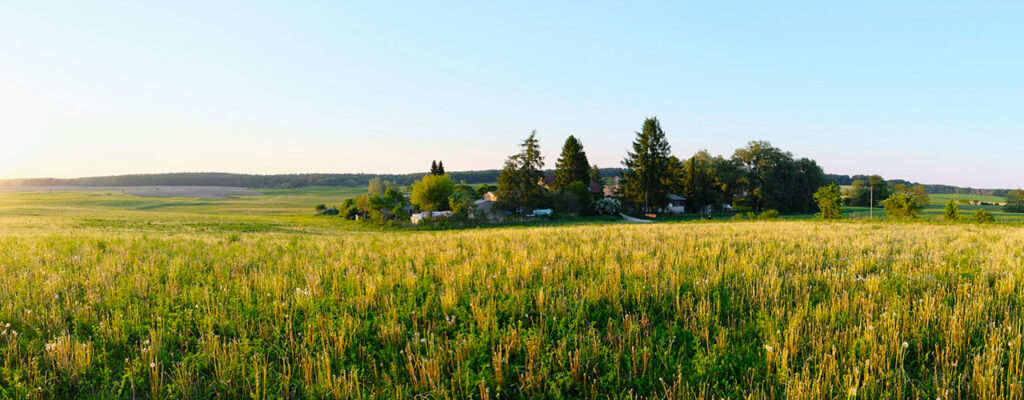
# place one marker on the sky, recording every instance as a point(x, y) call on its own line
point(928, 91)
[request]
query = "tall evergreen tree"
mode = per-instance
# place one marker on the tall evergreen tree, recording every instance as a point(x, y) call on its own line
point(647, 178)
point(440, 168)
point(519, 185)
point(572, 165)
point(433, 167)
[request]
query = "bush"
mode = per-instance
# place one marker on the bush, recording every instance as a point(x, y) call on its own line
point(321, 207)
point(608, 206)
point(768, 215)
point(901, 205)
point(327, 211)
point(952, 211)
point(983, 217)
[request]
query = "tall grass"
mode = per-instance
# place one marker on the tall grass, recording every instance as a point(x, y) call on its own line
point(797, 310)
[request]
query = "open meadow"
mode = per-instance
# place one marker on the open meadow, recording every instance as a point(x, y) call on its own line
point(108, 295)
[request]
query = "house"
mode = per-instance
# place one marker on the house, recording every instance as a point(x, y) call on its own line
point(676, 204)
point(490, 196)
point(419, 217)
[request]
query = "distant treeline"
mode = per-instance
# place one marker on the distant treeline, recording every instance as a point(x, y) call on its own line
point(932, 189)
point(262, 181)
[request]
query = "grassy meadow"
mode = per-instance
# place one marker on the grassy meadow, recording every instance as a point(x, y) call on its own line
point(105, 295)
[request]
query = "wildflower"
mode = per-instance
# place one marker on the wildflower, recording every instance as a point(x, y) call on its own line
point(905, 345)
point(152, 365)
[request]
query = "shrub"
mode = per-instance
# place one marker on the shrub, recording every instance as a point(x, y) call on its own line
point(830, 201)
point(901, 205)
point(952, 210)
point(983, 217)
point(608, 206)
point(768, 215)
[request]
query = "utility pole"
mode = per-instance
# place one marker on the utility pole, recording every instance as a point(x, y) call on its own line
point(871, 202)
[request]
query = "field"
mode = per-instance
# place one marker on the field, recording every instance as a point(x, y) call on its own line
point(114, 296)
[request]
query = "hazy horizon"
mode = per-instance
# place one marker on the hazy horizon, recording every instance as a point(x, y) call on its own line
point(927, 92)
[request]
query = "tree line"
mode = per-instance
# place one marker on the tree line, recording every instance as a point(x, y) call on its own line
point(758, 176)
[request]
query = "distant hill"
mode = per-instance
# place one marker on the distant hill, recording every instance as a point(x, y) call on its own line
point(355, 180)
point(930, 188)
point(259, 181)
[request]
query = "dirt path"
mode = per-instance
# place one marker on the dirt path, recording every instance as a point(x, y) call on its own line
point(635, 220)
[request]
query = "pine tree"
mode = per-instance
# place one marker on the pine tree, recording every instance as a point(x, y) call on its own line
point(647, 177)
point(572, 165)
point(519, 185)
point(433, 167)
point(440, 168)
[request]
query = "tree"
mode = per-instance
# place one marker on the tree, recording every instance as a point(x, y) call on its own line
point(830, 201)
point(646, 180)
point(1015, 201)
point(460, 202)
point(575, 198)
point(433, 167)
point(699, 184)
point(440, 168)
point(431, 193)
point(901, 205)
point(376, 186)
point(596, 183)
point(483, 189)
point(773, 179)
point(519, 185)
point(572, 165)
point(952, 212)
point(921, 193)
point(983, 217)
point(879, 188)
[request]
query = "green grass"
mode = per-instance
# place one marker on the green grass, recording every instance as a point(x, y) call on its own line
point(115, 296)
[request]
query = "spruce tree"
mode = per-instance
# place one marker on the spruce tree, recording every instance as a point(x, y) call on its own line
point(647, 177)
point(440, 168)
point(433, 167)
point(572, 165)
point(519, 185)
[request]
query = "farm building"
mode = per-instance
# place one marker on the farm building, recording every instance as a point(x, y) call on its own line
point(676, 204)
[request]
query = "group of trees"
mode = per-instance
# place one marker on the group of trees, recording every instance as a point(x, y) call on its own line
point(574, 185)
point(758, 176)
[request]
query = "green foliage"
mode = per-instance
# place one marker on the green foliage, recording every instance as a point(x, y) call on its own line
point(952, 211)
point(572, 165)
point(902, 206)
point(983, 217)
point(519, 185)
point(575, 198)
point(768, 215)
point(607, 206)
point(920, 192)
point(436, 168)
point(698, 181)
point(647, 178)
point(773, 179)
point(431, 193)
point(1015, 201)
point(461, 201)
point(830, 202)
point(484, 188)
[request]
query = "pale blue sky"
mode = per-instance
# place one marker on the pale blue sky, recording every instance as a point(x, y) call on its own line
point(927, 91)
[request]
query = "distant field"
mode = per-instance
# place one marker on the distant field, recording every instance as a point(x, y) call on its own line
point(943, 198)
